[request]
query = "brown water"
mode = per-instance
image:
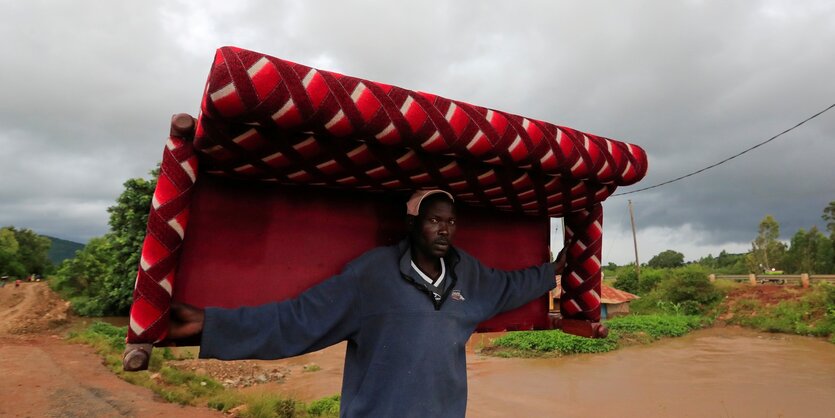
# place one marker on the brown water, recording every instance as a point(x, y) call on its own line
point(719, 372)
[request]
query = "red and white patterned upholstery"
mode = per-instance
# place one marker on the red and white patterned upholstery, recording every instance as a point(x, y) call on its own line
point(277, 121)
point(270, 120)
point(581, 279)
point(167, 223)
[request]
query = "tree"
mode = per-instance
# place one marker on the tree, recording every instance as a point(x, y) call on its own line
point(667, 259)
point(708, 261)
point(83, 276)
point(800, 256)
point(829, 217)
point(103, 273)
point(33, 253)
point(825, 256)
point(9, 249)
point(128, 223)
point(766, 249)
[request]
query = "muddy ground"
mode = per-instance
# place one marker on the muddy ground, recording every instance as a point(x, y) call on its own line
point(44, 376)
point(41, 375)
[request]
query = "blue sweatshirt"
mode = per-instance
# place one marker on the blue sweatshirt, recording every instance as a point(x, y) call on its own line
point(406, 350)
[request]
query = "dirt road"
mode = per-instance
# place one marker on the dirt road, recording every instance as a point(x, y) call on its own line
point(714, 372)
point(41, 375)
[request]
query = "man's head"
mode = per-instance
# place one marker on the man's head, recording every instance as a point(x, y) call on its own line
point(431, 222)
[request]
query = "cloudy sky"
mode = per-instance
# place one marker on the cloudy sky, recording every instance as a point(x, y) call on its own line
point(89, 87)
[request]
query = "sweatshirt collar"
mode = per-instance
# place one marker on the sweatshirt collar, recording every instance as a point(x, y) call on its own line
point(405, 248)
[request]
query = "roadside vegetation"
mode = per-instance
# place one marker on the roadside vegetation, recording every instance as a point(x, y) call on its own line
point(623, 331)
point(99, 280)
point(23, 253)
point(812, 314)
point(188, 388)
point(675, 302)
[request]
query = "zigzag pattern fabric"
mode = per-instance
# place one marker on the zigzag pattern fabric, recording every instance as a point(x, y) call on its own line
point(163, 240)
point(277, 121)
point(271, 120)
point(581, 279)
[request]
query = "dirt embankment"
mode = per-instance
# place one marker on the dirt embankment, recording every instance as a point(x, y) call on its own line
point(766, 295)
point(30, 308)
point(44, 376)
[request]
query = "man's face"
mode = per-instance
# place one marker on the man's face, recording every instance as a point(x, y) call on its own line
point(434, 228)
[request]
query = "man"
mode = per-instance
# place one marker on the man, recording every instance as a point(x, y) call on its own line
point(406, 311)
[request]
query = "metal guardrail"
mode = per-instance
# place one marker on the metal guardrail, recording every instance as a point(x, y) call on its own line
point(777, 278)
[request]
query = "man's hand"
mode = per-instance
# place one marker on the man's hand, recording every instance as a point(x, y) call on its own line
point(559, 263)
point(186, 322)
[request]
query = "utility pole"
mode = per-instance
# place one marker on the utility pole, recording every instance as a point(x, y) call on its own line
point(635, 244)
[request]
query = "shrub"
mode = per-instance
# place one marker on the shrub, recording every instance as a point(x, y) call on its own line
point(628, 279)
point(325, 407)
point(650, 278)
point(656, 326)
point(689, 283)
point(556, 341)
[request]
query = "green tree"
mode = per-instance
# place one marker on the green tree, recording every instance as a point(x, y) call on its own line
point(9, 254)
point(82, 277)
point(825, 257)
point(829, 217)
point(709, 262)
point(102, 275)
point(810, 252)
point(33, 252)
point(690, 288)
point(667, 259)
point(128, 222)
point(766, 249)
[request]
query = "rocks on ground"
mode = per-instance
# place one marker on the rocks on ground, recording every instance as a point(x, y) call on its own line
point(233, 374)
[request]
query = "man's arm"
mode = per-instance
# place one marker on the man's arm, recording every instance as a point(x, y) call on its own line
point(321, 316)
point(513, 289)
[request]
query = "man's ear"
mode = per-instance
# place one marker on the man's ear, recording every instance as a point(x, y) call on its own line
point(410, 223)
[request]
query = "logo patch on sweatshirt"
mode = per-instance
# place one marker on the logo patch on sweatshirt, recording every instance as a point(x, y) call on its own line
point(456, 295)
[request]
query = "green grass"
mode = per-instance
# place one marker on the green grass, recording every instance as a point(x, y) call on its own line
point(657, 326)
point(813, 314)
point(187, 388)
point(325, 407)
point(312, 367)
point(225, 400)
point(271, 406)
point(171, 384)
point(622, 331)
point(554, 341)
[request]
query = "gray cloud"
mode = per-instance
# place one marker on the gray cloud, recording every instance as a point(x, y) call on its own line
point(89, 88)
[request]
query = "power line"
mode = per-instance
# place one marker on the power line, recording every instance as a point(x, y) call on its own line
point(729, 158)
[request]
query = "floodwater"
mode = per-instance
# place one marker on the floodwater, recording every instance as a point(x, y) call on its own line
point(718, 372)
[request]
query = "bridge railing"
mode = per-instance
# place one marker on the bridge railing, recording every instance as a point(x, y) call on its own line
point(803, 279)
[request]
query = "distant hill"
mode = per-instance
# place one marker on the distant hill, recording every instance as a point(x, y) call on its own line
point(62, 249)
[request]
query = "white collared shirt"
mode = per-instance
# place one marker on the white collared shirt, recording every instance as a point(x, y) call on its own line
point(436, 283)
